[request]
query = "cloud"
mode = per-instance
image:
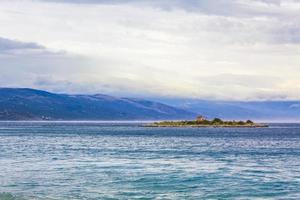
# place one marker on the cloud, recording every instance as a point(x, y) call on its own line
point(21, 63)
point(7, 45)
point(241, 49)
point(245, 8)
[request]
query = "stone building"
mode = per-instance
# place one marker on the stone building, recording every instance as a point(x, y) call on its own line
point(200, 118)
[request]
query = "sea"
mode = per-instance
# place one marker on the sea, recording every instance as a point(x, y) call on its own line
point(123, 160)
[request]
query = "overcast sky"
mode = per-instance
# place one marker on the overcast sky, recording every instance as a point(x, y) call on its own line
point(206, 49)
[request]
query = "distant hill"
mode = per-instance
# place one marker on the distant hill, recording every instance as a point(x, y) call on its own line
point(256, 110)
point(30, 104)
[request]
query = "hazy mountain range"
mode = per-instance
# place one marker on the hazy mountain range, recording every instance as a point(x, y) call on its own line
point(285, 111)
point(30, 104)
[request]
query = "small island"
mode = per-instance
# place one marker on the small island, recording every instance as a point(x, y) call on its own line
point(201, 121)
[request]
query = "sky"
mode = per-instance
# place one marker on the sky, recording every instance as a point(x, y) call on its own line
point(204, 49)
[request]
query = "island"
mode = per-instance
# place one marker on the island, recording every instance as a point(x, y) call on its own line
point(201, 121)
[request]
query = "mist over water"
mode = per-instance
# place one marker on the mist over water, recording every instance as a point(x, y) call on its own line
point(85, 160)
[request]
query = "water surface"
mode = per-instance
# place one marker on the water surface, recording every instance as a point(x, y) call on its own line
point(72, 160)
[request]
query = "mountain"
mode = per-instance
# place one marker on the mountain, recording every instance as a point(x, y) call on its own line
point(30, 104)
point(243, 110)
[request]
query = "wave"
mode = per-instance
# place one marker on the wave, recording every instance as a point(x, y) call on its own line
point(9, 196)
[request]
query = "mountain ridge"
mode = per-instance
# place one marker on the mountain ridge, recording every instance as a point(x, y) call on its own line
point(32, 104)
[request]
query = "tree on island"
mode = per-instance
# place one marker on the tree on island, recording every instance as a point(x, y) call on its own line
point(241, 123)
point(217, 121)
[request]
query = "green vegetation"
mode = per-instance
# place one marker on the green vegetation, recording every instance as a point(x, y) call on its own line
point(202, 122)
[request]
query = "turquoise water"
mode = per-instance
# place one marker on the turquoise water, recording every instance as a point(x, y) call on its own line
point(125, 161)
